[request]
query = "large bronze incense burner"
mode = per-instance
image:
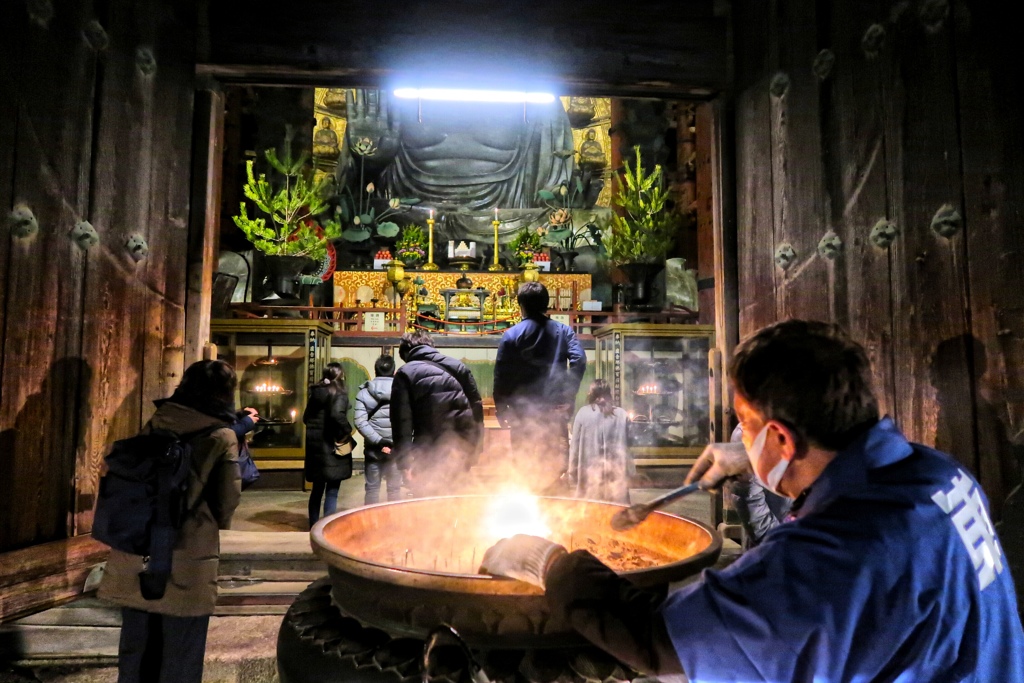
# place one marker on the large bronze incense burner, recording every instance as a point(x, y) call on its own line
point(408, 566)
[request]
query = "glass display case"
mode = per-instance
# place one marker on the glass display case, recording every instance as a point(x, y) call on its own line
point(663, 377)
point(276, 362)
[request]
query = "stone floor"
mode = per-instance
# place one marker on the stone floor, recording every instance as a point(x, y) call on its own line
point(287, 510)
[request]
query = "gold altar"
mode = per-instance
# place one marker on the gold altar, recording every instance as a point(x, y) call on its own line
point(371, 287)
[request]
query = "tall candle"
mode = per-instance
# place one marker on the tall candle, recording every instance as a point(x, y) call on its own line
point(496, 266)
point(430, 265)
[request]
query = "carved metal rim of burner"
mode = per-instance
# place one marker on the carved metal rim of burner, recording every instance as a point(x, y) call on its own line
point(410, 600)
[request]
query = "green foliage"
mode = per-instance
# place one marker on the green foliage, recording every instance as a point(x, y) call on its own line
point(411, 246)
point(388, 229)
point(292, 207)
point(645, 232)
point(525, 245)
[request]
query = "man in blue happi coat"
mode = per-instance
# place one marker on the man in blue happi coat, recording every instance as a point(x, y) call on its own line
point(887, 567)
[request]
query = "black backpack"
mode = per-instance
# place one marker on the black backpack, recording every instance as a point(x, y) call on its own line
point(142, 501)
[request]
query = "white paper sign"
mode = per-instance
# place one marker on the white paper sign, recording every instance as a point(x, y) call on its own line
point(560, 317)
point(373, 321)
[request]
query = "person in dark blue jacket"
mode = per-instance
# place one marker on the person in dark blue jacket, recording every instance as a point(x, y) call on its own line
point(537, 373)
point(887, 567)
point(245, 422)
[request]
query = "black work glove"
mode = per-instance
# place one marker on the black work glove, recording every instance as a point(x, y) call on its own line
point(522, 557)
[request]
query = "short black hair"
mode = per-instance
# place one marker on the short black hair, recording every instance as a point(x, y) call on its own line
point(384, 366)
point(413, 339)
point(812, 377)
point(533, 298)
point(207, 379)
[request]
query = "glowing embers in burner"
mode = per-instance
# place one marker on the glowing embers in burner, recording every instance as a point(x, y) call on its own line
point(515, 513)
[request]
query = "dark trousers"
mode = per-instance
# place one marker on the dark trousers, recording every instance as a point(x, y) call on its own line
point(326, 491)
point(539, 436)
point(375, 470)
point(156, 648)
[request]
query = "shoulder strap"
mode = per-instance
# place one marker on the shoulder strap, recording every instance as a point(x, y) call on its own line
point(380, 404)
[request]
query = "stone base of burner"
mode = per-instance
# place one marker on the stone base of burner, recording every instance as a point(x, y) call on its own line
point(318, 644)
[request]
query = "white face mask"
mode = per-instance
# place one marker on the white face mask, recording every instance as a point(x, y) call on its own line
point(775, 475)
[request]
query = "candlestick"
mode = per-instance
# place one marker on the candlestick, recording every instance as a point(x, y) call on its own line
point(496, 266)
point(430, 265)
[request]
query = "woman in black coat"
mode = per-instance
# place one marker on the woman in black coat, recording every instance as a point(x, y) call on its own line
point(326, 427)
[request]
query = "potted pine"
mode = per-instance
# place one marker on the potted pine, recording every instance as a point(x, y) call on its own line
point(642, 232)
point(293, 235)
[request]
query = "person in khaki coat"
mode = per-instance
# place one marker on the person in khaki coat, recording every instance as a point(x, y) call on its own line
point(165, 639)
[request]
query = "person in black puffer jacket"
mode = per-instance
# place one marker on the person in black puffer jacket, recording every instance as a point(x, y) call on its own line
point(326, 427)
point(437, 417)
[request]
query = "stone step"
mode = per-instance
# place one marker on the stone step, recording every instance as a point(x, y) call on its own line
point(261, 573)
point(238, 650)
point(270, 555)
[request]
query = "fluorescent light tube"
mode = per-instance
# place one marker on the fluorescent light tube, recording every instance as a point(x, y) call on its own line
point(464, 95)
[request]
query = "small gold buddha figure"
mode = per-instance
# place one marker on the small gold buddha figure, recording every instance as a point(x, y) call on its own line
point(325, 141)
point(591, 152)
point(334, 100)
point(580, 111)
point(464, 300)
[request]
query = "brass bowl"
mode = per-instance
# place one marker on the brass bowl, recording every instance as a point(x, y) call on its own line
point(382, 561)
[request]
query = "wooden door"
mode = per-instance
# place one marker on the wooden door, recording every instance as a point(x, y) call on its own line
point(96, 118)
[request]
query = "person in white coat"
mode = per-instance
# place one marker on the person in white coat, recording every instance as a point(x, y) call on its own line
point(600, 466)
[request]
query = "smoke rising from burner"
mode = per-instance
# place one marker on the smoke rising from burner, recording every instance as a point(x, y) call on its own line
point(597, 467)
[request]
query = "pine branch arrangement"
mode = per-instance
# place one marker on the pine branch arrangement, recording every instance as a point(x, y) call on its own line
point(645, 232)
point(293, 229)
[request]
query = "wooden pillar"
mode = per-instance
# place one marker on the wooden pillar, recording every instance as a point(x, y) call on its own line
point(706, 282)
point(204, 222)
point(717, 235)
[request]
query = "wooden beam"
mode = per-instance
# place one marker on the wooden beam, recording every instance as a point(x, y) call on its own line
point(705, 198)
point(855, 175)
point(42, 368)
point(674, 45)
point(804, 289)
point(756, 268)
point(8, 146)
point(715, 117)
point(991, 122)
point(933, 400)
point(46, 575)
point(133, 322)
point(204, 223)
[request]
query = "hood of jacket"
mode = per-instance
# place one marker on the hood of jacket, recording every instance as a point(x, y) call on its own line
point(379, 388)
point(428, 353)
point(182, 419)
